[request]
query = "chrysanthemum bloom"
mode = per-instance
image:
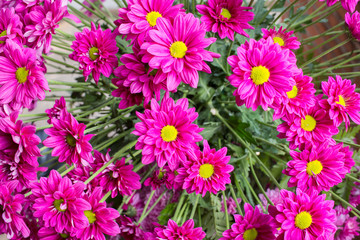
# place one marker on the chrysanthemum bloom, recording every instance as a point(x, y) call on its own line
point(51, 234)
point(347, 227)
point(273, 195)
point(353, 22)
point(141, 16)
point(101, 220)
point(319, 167)
point(226, 17)
point(41, 23)
point(22, 79)
point(54, 112)
point(315, 128)
point(10, 26)
point(354, 198)
point(304, 215)
point(68, 140)
point(230, 204)
point(119, 178)
point(187, 231)
point(178, 49)
point(253, 225)
point(207, 172)
point(281, 37)
point(95, 50)
point(59, 204)
point(296, 101)
point(11, 221)
point(161, 177)
point(166, 132)
point(348, 5)
point(262, 71)
point(129, 230)
point(348, 160)
point(343, 102)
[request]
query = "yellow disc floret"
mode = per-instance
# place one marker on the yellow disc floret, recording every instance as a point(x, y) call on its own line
point(169, 133)
point(90, 216)
point(293, 93)
point(178, 49)
point(3, 33)
point(225, 13)
point(303, 220)
point(314, 167)
point(57, 203)
point(341, 101)
point(308, 124)
point(151, 17)
point(250, 234)
point(279, 41)
point(92, 52)
point(260, 75)
point(206, 170)
point(21, 74)
point(70, 140)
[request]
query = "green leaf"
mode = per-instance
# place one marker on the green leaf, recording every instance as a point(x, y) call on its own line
point(167, 213)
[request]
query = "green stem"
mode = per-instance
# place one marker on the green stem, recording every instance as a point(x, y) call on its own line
point(106, 196)
point(67, 170)
point(355, 211)
point(146, 206)
point(194, 206)
point(301, 13)
point(235, 198)
point(179, 204)
point(60, 62)
point(318, 45)
point(226, 210)
point(242, 194)
point(152, 207)
point(282, 13)
point(352, 178)
point(253, 192)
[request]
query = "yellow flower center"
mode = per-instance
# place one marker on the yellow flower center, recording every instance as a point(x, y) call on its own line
point(308, 124)
point(92, 52)
point(64, 235)
point(279, 41)
point(90, 216)
point(250, 234)
point(260, 75)
point(161, 175)
point(314, 167)
point(341, 101)
point(71, 140)
point(57, 204)
point(206, 170)
point(178, 49)
point(293, 93)
point(21, 74)
point(225, 13)
point(3, 33)
point(169, 133)
point(151, 17)
point(303, 220)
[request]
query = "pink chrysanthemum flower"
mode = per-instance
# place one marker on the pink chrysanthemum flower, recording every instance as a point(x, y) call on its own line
point(347, 227)
point(315, 128)
point(95, 50)
point(22, 79)
point(141, 16)
point(262, 71)
point(54, 112)
point(10, 26)
point(161, 177)
point(166, 132)
point(273, 195)
point(348, 160)
point(354, 198)
point(319, 167)
point(207, 172)
point(281, 37)
point(230, 204)
point(253, 225)
point(41, 22)
point(101, 220)
point(296, 101)
point(226, 17)
point(353, 22)
point(178, 49)
point(348, 5)
point(119, 178)
point(343, 102)
point(187, 231)
point(304, 215)
point(11, 221)
point(68, 140)
point(59, 204)
point(129, 230)
point(51, 234)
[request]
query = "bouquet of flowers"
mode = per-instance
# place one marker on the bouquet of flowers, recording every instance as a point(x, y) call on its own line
point(179, 119)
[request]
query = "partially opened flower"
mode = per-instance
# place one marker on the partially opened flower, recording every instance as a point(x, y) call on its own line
point(353, 22)
point(343, 102)
point(178, 49)
point(129, 230)
point(262, 71)
point(273, 195)
point(347, 227)
point(207, 172)
point(349, 5)
point(167, 132)
point(70, 143)
point(54, 112)
point(10, 26)
point(253, 225)
point(172, 231)
point(163, 176)
point(95, 50)
point(281, 37)
point(226, 17)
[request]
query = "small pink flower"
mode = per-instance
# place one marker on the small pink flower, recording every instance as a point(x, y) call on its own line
point(282, 38)
point(161, 177)
point(273, 195)
point(54, 112)
point(347, 227)
point(230, 203)
point(129, 230)
point(172, 231)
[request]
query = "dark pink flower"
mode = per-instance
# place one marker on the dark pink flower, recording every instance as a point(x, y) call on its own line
point(353, 22)
point(173, 232)
point(129, 230)
point(10, 27)
point(282, 38)
point(54, 112)
point(161, 177)
point(226, 17)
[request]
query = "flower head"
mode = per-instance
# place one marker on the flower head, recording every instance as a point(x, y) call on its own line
point(347, 227)
point(226, 17)
point(54, 112)
point(353, 22)
point(68, 140)
point(161, 177)
point(129, 230)
point(178, 49)
point(207, 172)
point(187, 231)
point(10, 26)
point(281, 37)
point(261, 72)
point(95, 50)
point(273, 195)
point(166, 132)
point(304, 215)
point(230, 204)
